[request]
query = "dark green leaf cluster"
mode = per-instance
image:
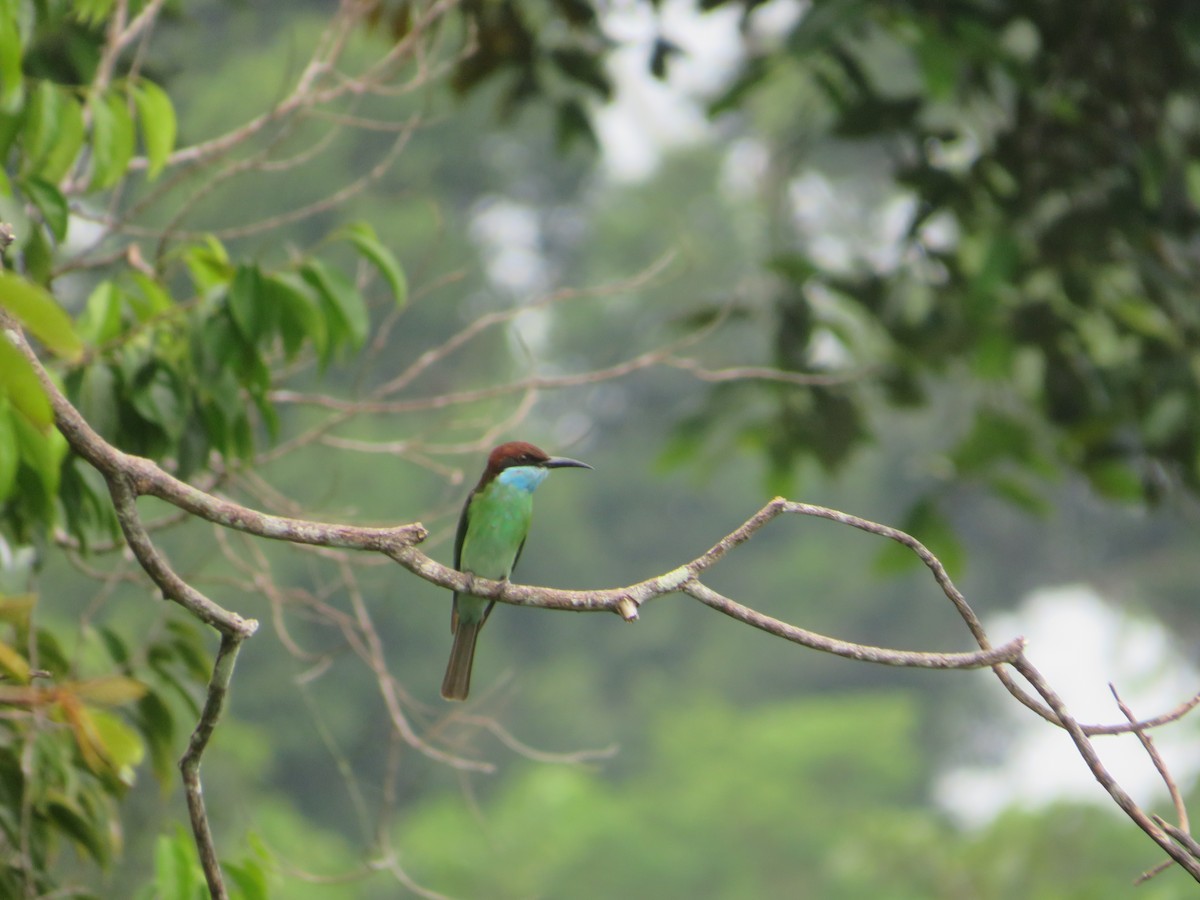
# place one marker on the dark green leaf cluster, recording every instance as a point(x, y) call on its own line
point(172, 380)
point(544, 51)
point(1062, 153)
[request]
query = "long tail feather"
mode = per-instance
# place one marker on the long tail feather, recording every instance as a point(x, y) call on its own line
point(457, 682)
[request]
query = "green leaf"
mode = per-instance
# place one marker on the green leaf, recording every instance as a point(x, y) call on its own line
point(752, 74)
point(1115, 480)
point(999, 261)
point(151, 298)
point(11, 78)
point(994, 436)
point(15, 609)
point(299, 316)
point(156, 117)
point(40, 131)
point(158, 727)
point(118, 650)
point(19, 383)
point(50, 203)
point(220, 400)
point(121, 746)
point(176, 874)
point(36, 310)
point(112, 139)
point(111, 690)
point(42, 451)
point(583, 67)
point(161, 659)
point(71, 820)
point(100, 320)
point(91, 12)
point(12, 662)
point(939, 59)
point(8, 449)
point(246, 303)
point(1166, 418)
point(98, 400)
point(816, 29)
point(50, 654)
point(209, 265)
point(345, 310)
point(12, 122)
point(39, 257)
point(267, 413)
point(573, 124)
point(1146, 319)
point(364, 239)
point(188, 643)
point(242, 438)
point(86, 504)
point(250, 878)
point(995, 355)
point(68, 142)
point(159, 399)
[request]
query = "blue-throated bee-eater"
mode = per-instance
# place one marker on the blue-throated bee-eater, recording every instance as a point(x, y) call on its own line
point(491, 535)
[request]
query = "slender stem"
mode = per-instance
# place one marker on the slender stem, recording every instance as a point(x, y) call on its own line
point(189, 764)
point(860, 652)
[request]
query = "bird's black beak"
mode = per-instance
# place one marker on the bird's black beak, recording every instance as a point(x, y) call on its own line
point(563, 462)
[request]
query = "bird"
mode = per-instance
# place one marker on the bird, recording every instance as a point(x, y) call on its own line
point(491, 534)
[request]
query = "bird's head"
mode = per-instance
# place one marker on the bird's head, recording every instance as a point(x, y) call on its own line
point(533, 462)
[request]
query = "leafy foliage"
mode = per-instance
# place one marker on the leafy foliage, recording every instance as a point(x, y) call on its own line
point(174, 361)
point(70, 747)
point(1057, 153)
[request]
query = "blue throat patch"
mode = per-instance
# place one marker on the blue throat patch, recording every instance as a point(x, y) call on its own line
point(525, 478)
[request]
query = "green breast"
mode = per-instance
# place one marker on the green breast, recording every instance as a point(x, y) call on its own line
point(498, 522)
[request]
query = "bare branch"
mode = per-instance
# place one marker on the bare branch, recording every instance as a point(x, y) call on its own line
point(861, 652)
point(377, 402)
point(189, 765)
point(761, 373)
point(504, 736)
point(1083, 744)
point(1161, 766)
point(1186, 840)
point(172, 586)
point(1155, 757)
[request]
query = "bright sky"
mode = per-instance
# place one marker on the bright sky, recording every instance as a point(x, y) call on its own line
point(648, 115)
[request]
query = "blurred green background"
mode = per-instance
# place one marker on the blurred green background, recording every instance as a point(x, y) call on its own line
point(728, 764)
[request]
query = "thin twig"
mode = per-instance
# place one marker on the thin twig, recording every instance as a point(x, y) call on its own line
point(1083, 744)
point(1161, 766)
point(189, 765)
point(1155, 757)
